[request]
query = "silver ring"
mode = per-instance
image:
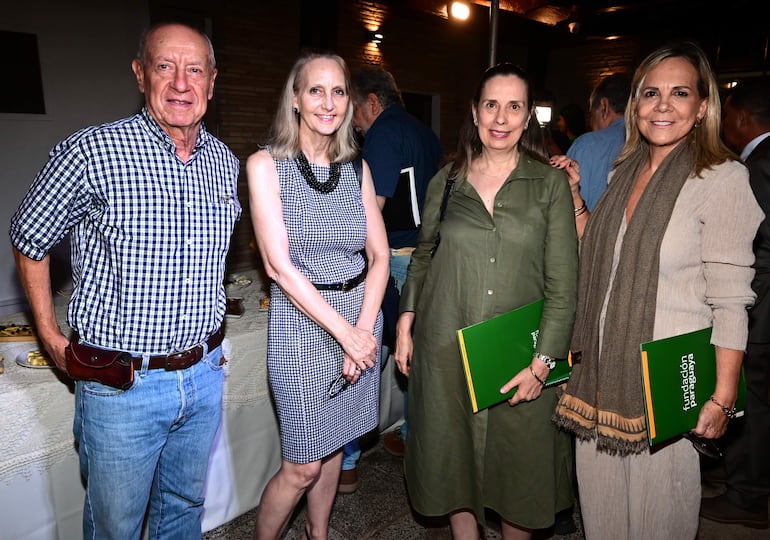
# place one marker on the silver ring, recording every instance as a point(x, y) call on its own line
point(358, 369)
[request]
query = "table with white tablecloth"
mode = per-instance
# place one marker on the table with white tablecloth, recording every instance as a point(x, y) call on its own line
point(41, 492)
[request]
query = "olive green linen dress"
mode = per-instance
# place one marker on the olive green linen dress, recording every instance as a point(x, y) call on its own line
point(511, 460)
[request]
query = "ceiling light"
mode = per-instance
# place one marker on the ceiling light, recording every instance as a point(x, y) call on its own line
point(460, 10)
point(543, 115)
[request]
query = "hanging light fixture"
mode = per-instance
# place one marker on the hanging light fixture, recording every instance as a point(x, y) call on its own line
point(459, 10)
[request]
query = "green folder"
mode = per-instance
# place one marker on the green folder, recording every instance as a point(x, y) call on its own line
point(495, 350)
point(679, 377)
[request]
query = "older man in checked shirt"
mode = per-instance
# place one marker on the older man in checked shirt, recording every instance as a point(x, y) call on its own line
point(150, 203)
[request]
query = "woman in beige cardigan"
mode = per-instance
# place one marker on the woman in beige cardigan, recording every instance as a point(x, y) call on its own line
point(668, 250)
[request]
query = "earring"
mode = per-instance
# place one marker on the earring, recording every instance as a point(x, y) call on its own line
point(698, 121)
point(296, 110)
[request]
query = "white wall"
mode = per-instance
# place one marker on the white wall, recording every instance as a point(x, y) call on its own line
point(86, 48)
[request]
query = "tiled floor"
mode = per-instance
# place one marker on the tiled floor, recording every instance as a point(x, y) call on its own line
point(380, 510)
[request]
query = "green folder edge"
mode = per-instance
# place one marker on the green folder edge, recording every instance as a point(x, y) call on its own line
point(648, 397)
point(557, 375)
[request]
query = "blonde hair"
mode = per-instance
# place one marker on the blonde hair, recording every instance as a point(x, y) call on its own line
point(284, 136)
point(705, 136)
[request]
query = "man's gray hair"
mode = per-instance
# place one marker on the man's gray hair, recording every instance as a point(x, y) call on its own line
point(141, 54)
point(375, 80)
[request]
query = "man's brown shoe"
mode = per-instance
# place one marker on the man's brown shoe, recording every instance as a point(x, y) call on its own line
point(393, 443)
point(722, 510)
point(348, 481)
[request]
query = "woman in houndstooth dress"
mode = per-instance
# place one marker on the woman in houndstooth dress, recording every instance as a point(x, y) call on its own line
point(323, 243)
point(325, 232)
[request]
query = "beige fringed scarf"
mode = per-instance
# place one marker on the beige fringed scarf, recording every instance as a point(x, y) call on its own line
point(603, 398)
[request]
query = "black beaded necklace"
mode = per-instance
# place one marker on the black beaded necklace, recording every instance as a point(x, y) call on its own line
point(307, 173)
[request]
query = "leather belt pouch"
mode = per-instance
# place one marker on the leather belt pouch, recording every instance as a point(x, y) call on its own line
point(112, 368)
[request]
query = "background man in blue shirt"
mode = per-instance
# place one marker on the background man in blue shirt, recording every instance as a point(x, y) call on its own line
point(150, 202)
point(596, 150)
point(398, 148)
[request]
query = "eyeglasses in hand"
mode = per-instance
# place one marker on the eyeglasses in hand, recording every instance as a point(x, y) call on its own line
point(707, 447)
point(338, 385)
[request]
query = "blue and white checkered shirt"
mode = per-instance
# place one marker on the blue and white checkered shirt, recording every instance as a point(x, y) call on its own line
point(149, 233)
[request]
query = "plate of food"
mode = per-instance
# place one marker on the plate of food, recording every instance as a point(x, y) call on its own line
point(35, 358)
point(235, 282)
point(17, 332)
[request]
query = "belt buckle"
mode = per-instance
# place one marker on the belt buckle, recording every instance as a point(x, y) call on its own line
point(174, 361)
point(346, 285)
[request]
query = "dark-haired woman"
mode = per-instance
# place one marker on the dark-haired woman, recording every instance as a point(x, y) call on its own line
point(507, 239)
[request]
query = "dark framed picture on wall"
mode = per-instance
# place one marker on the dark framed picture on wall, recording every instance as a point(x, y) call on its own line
point(22, 93)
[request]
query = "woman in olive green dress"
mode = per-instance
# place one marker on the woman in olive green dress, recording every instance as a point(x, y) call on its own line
point(507, 238)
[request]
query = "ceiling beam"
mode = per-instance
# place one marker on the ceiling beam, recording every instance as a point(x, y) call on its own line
point(545, 11)
point(519, 6)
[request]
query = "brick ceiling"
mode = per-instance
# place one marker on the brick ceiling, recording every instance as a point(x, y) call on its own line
point(737, 33)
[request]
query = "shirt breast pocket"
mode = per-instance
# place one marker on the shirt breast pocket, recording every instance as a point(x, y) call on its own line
point(221, 218)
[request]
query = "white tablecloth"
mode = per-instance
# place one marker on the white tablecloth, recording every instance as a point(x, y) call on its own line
point(41, 493)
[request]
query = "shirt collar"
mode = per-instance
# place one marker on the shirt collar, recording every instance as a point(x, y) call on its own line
point(527, 167)
point(753, 144)
point(390, 110)
point(154, 128)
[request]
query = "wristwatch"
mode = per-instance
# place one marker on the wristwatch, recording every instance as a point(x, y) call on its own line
point(547, 360)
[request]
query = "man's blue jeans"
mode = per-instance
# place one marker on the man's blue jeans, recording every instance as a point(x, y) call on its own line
point(351, 452)
point(148, 444)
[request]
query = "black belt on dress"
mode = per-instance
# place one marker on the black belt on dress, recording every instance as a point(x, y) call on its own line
point(182, 359)
point(347, 285)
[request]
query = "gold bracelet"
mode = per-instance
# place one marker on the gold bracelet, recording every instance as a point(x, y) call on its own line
point(532, 371)
point(580, 211)
point(729, 413)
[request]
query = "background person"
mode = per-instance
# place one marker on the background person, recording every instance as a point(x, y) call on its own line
point(323, 244)
point(596, 150)
point(394, 142)
point(508, 238)
point(746, 129)
point(142, 287)
point(672, 235)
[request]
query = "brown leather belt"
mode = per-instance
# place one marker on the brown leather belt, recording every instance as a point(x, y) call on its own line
point(182, 359)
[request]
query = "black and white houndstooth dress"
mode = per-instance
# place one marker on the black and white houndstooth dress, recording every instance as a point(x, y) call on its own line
point(326, 232)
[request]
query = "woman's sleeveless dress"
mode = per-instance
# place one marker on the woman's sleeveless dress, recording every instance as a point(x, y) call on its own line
point(326, 233)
